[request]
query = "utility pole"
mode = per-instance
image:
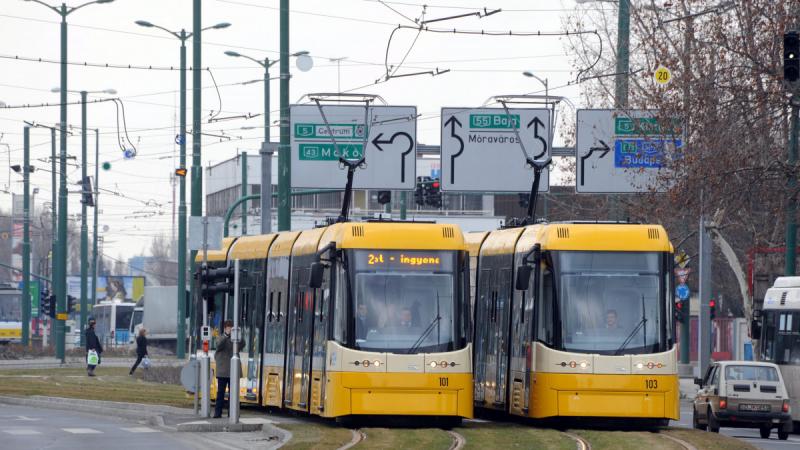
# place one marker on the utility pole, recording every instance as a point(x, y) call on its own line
point(197, 105)
point(704, 321)
point(266, 161)
point(687, 98)
point(54, 276)
point(623, 54)
point(84, 229)
point(26, 238)
point(243, 161)
point(284, 151)
point(96, 206)
point(791, 206)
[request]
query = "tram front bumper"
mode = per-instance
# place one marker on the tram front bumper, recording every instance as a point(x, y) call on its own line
point(596, 395)
point(389, 393)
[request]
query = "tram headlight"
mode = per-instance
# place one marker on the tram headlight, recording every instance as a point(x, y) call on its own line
point(433, 363)
point(376, 363)
point(573, 364)
point(365, 363)
point(584, 364)
point(639, 366)
point(443, 364)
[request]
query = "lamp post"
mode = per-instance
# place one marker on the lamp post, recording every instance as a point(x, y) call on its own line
point(183, 36)
point(84, 227)
point(266, 150)
point(61, 283)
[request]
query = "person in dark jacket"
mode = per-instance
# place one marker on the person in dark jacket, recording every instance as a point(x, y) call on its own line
point(222, 358)
point(92, 343)
point(141, 349)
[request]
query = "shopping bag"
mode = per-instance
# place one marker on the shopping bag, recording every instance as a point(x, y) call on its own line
point(146, 362)
point(92, 358)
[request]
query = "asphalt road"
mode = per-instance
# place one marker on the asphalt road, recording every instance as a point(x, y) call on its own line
point(34, 428)
point(746, 434)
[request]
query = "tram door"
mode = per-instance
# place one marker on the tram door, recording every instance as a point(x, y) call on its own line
point(298, 358)
point(483, 328)
point(521, 348)
point(322, 314)
point(502, 316)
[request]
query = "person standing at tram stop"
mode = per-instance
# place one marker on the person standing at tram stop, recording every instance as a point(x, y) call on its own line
point(92, 343)
point(222, 358)
point(141, 350)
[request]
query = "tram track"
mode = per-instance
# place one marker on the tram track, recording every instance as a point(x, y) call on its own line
point(458, 440)
point(681, 442)
point(580, 443)
point(358, 437)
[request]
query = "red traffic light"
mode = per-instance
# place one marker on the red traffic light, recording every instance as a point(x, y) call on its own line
point(679, 305)
point(712, 303)
point(436, 185)
point(180, 172)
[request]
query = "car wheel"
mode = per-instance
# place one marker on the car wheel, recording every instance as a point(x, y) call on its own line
point(765, 432)
point(696, 423)
point(713, 423)
point(783, 435)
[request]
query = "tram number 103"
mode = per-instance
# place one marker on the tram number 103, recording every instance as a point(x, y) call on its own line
point(443, 381)
point(651, 384)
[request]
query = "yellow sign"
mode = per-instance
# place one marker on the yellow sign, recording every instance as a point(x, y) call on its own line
point(662, 75)
point(61, 316)
point(682, 259)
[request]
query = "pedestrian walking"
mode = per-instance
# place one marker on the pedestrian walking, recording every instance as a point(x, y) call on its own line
point(222, 358)
point(93, 348)
point(141, 350)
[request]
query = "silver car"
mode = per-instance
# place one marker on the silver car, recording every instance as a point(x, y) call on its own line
point(742, 394)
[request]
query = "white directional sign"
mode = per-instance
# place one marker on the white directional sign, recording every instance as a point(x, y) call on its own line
point(481, 148)
point(387, 141)
point(624, 151)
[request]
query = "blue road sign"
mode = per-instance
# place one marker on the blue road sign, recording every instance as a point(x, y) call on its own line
point(180, 139)
point(128, 153)
point(683, 292)
point(643, 153)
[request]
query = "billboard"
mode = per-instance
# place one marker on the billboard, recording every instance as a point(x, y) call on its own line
point(110, 287)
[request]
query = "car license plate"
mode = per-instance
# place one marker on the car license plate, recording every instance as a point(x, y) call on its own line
point(750, 407)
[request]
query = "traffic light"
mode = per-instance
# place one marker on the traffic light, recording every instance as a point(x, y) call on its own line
point(791, 56)
point(679, 311)
point(712, 307)
point(433, 193)
point(523, 200)
point(48, 305)
point(215, 281)
point(419, 193)
point(384, 197)
point(72, 304)
point(87, 197)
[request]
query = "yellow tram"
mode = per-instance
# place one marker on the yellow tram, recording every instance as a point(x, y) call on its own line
point(575, 320)
point(356, 318)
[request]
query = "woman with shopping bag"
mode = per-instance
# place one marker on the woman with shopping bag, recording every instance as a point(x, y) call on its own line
point(141, 351)
point(93, 348)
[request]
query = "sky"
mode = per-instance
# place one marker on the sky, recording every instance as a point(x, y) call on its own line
point(136, 200)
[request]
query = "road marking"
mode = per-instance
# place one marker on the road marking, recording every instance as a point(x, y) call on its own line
point(141, 430)
point(21, 432)
point(82, 431)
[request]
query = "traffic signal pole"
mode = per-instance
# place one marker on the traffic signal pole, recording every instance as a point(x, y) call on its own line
point(26, 239)
point(791, 206)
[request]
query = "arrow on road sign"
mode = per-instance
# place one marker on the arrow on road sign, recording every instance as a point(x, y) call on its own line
point(605, 149)
point(377, 142)
point(452, 121)
point(536, 124)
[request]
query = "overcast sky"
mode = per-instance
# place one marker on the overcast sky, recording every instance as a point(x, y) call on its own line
point(481, 66)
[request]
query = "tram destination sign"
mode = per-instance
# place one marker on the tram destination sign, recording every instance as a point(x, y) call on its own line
point(624, 151)
point(481, 148)
point(385, 136)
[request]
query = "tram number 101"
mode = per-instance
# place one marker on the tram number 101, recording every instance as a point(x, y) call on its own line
point(443, 381)
point(651, 384)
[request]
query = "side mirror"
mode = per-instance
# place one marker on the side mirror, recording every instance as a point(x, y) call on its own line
point(523, 277)
point(755, 329)
point(698, 381)
point(315, 281)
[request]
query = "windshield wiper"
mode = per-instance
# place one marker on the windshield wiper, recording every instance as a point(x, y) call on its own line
point(424, 334)
point(642, 323)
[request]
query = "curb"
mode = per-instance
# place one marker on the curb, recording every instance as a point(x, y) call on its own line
point(218, 427)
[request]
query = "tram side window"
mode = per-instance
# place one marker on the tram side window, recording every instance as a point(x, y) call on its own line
point(782, 337)
point(340, 306)
point(545, 305)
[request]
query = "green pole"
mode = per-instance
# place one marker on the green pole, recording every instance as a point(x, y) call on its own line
point(84, 229)
point(243, 160)
point(53, 226)
point(180, 352)
point(623, 53)
point(232, 208)
point(403, 207)
point(96, 193)
point(197, 176)
point(26, 239)
point(266, 161)
point(61, 283)
point(791, 208)
point(284, 152)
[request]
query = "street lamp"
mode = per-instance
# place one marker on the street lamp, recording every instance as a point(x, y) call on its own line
point(530, 74)
point(183, 36)
point(84, 251)
point(304, 64)
point(61, 276)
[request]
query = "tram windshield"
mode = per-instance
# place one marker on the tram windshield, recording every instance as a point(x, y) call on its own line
point(781, 337)
point(611, 302)
point(10, 307)
point(404, 301)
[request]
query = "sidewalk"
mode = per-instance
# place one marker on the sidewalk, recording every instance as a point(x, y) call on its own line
point(172, 419)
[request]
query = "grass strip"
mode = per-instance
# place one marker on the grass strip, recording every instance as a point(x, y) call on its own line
point(627, 440)
point(483, 435)
point(316, 436)
point(708, 441)
point(401, 438)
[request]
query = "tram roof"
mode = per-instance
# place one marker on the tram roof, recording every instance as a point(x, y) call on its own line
point(282, 246)
point(596, 237)
point(474, 241)
point(252, 247)
point(220, 255)
point(396, 236)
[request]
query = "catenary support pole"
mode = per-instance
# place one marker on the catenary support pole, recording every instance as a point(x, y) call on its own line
point(284, 151)
point(791, 206)
point(180, 351)
point(704, 321)
point(93, 291)
point(61, 283)
point(54, 225)
point(197, 175)
point(84, 227)
point(266, 161)
point(26, 238)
